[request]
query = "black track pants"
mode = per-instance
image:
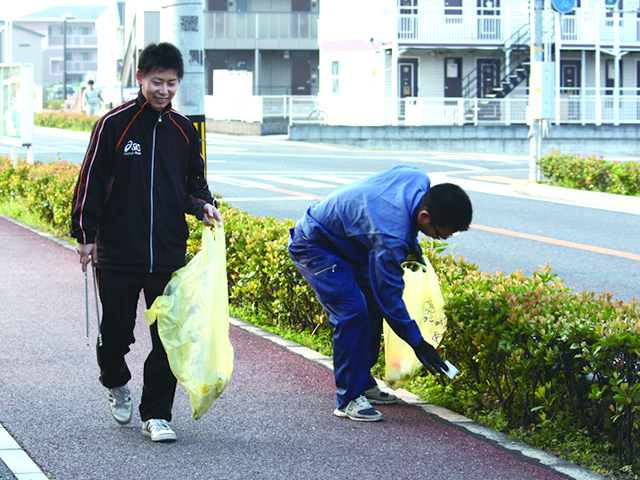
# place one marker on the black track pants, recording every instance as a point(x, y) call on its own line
point(119, 294)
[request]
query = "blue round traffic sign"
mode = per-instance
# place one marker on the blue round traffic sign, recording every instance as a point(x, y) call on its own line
point(563, 6)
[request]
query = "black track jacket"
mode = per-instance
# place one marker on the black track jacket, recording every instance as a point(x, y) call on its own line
point(142, 172)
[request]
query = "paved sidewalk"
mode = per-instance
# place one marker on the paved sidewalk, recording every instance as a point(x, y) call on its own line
point(273, 421)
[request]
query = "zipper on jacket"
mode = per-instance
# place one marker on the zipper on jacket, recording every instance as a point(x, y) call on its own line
point(153, 164)
point(330, 267)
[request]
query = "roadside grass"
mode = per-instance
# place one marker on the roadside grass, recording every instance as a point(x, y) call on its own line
point(319, 342)
point(20, 212)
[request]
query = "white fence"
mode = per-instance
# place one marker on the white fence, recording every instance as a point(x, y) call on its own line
point(296, 109)
point(570, 109)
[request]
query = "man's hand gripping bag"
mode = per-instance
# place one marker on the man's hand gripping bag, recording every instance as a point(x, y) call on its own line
point(193, 323)
point(424, 301)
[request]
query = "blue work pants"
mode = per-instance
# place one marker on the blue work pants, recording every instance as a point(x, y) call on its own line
point(345, 292)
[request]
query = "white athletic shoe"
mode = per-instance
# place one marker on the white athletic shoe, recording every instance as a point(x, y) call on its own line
point(359, 410)
point(159, 430)
point(120, 403)
point(378, 397)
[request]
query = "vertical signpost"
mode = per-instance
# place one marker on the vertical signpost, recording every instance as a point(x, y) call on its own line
point(541, 80)
point(536, 55)
point(181, 21)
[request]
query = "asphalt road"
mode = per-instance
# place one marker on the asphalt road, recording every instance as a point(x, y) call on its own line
point(273, 421)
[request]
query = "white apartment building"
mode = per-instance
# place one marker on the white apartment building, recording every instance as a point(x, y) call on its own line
point(455, 62)
point(81, 41)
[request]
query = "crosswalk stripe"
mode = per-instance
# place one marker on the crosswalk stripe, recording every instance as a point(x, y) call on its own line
point(237, 181)
point(330, 178)
point(293, 181)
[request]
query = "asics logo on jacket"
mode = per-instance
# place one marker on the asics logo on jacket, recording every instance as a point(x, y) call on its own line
point(132, 148)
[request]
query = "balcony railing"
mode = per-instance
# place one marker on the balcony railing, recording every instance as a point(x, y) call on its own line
point(592, 26)
point(73, 66)
point(442, 26)
point(587, 108)
point(260, 25)
point(75, 40)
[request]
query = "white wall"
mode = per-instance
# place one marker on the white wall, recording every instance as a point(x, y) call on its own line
point(349, 33)
point(110, 50)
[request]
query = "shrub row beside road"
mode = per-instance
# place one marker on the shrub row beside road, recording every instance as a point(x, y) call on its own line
point(547, 364)
point(591, 173)
point(65, 120)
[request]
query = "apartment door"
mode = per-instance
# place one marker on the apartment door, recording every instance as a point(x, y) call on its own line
point(300, 76)
point(488, 76)
point(570, 89)
point(570, 77)
point(488, 19)
point(488, 79)
point(452, 78)
point(407, 82)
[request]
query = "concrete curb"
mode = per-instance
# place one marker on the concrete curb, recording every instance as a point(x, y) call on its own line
point(604, 200)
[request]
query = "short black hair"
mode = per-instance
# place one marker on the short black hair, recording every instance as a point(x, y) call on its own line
point(448, 206)
point(90, 82)
point(163, 56)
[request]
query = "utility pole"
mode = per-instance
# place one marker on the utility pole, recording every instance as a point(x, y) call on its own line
point(536, 57)
point(181, 21)
point(64, 58)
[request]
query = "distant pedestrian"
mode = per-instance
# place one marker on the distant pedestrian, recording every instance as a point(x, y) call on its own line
point(91, 99)
point(142, 172)
point(350, 247)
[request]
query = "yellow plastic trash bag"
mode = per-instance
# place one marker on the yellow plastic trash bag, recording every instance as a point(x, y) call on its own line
point(424, 301)
point(193, 323)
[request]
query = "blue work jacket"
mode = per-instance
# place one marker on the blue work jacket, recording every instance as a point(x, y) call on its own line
point(372, 224)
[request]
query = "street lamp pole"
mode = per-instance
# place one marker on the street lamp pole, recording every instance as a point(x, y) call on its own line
point(64, 58)
point(64, 55)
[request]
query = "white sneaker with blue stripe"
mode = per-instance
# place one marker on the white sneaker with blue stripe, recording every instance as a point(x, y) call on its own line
point(360, 410)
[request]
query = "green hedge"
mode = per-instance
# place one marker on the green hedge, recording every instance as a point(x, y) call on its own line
point(541, 354)
point(591, 173)
point(64, 120)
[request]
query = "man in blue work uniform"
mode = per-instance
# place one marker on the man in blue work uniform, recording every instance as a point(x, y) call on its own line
point(350, 247)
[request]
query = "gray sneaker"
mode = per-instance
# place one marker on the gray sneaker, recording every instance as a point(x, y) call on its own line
point(359, 410)
point(158, 430)
point(378, 397)
point(120, 403)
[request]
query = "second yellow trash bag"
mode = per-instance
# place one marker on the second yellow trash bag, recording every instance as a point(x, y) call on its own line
point(424, 301)
point(193, 323)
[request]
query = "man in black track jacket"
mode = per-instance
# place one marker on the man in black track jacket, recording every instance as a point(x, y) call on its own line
point(142, 172)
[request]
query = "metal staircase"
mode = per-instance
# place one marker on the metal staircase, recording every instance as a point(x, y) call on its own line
point(516, 51)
